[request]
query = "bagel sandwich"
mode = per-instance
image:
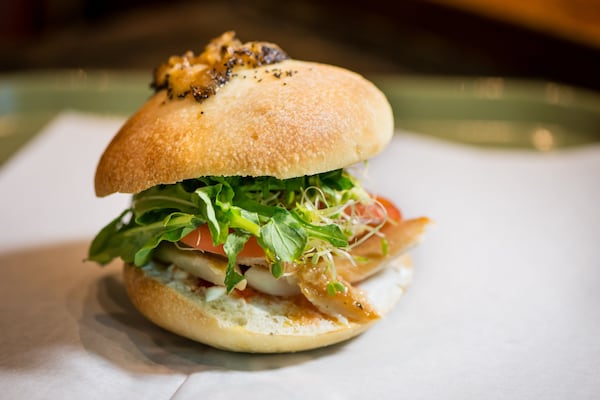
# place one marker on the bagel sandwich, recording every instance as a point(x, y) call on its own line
point(248, 228)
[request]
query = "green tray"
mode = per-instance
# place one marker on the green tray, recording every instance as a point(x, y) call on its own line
point(485, 111)
point(496, 111)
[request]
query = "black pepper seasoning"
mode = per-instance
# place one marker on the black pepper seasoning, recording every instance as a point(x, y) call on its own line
point(230, 53)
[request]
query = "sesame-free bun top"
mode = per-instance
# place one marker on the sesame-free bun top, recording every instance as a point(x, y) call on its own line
point(284, 120)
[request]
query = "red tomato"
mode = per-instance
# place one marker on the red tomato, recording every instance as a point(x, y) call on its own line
point(201, 240)
point(375, 213)
point(392, 211)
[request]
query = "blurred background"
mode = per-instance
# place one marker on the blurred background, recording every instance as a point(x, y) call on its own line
point(557, 40)
point(504, 73)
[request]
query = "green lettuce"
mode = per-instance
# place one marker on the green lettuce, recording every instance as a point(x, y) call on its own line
point(285, 215)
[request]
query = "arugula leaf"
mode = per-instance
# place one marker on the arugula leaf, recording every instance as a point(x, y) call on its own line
point(283, 237)
point(214, 225)
point(171, 229)
point(162, 200)
point(233, 245)
point(330, 233)
point(103, 248)
point(336, 180)
point(133, 242)
point(245, 220)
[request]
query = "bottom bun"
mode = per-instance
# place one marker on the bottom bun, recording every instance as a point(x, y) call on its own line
point(250, 321)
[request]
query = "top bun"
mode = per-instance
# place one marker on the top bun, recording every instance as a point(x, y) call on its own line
point(284, 120)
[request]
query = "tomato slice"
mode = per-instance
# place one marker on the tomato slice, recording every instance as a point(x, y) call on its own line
point(201, 239)
point(392, 211)
point(376, 214)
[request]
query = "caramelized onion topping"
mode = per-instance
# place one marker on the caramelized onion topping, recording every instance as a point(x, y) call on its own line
point(201, 76)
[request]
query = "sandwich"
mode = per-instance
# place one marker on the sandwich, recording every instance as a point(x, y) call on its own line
point(249, 229)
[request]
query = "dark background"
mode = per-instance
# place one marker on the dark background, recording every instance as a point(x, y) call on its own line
point(412, 37)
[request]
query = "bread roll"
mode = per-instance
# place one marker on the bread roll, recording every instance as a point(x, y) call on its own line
point(289, 119)
point(255, 323)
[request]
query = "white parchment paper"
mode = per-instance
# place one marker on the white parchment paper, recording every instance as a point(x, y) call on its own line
point(504, 304)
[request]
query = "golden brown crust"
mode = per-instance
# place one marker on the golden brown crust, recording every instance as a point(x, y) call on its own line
point(255, 324)
point(290, 119)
